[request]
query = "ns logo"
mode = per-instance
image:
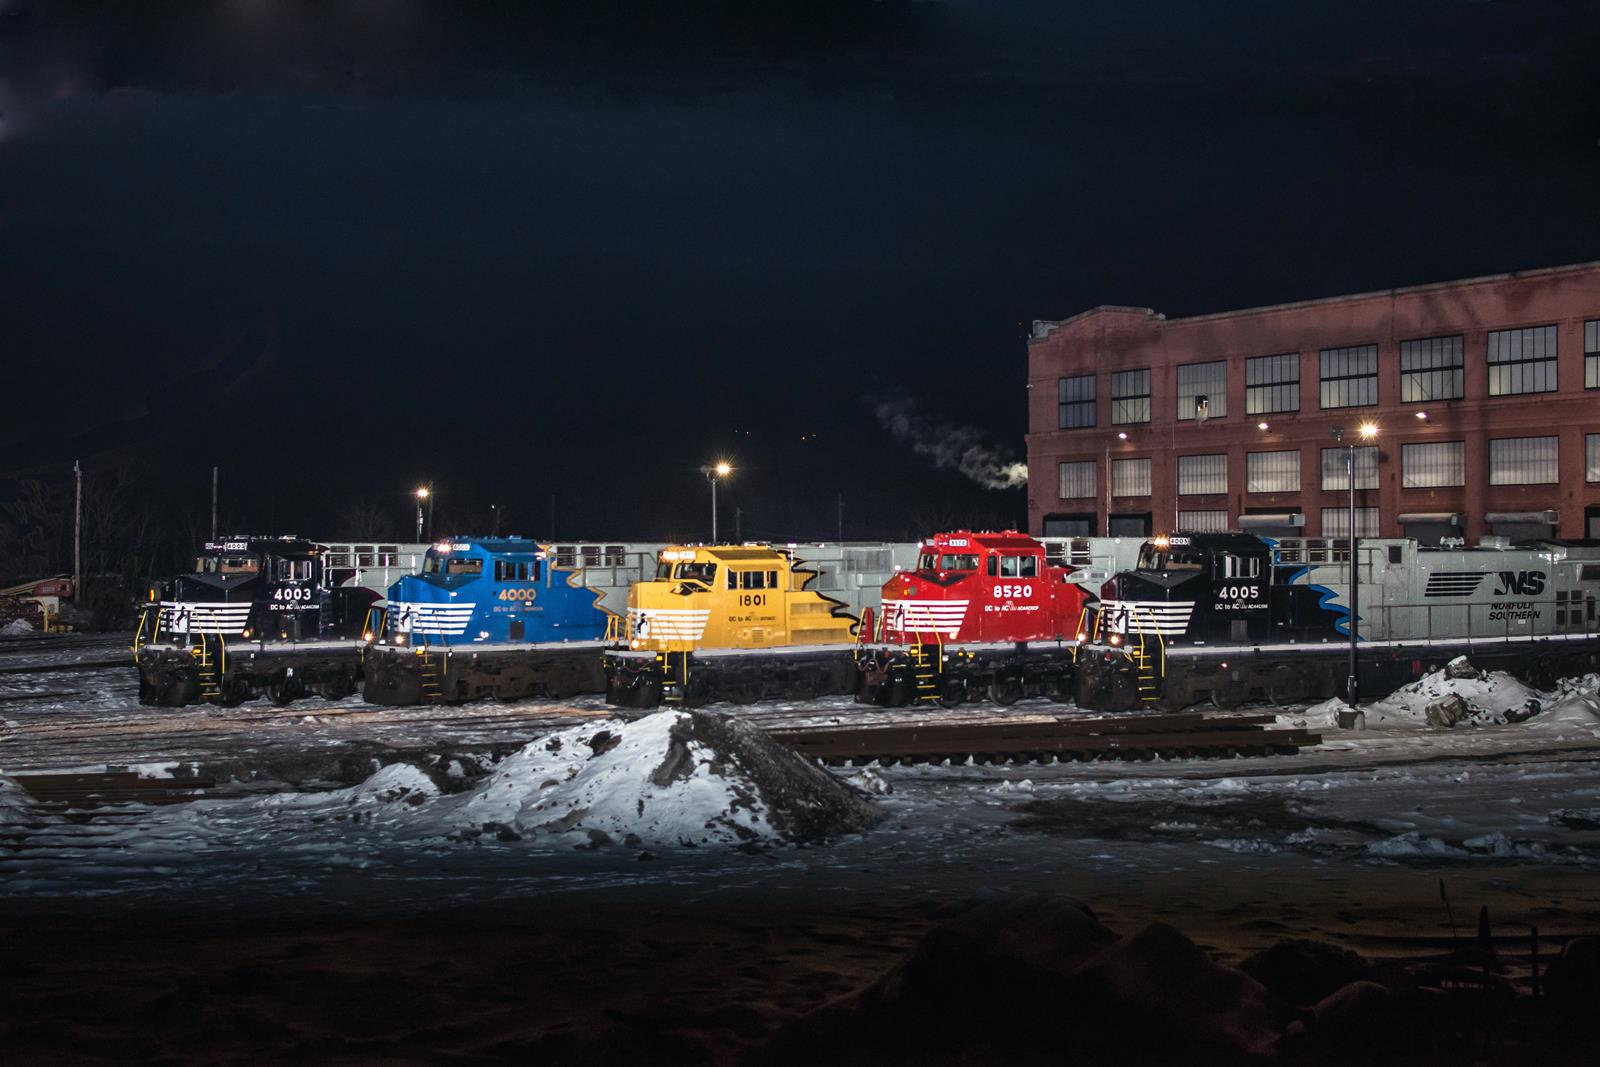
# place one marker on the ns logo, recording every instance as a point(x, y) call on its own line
point(1520, 583)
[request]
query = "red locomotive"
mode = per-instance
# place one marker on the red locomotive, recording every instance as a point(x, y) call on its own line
point(983, 614)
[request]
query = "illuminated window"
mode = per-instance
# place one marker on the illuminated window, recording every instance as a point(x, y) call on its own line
point(1431, 369)
point(1430, 466)
point(1335, 474)
point(1350, 376)
point(1272, 472)
point(1077, 479)
point(1209, 380)
point(1130, 396)
point(1522, 361)
point(1591, 456)
point(1076, 402)
point(1524, 461)
point(1200, 475)
point(1130, 477)
point(1272, 383)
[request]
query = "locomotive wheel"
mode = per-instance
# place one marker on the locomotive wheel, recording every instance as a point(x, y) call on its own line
point(745, 692)
point(1006, 690)
point(233, 694)
point(283, 689)
point(953, 693)
point(1060, 689)
point(339, 686)
point(1226, 696)
point(1286, 687)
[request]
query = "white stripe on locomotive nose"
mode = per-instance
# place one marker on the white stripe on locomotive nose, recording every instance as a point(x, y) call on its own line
point(443, 620)
point(940, 616)
point(191, 617)
point(1151, 616)
point(680, 624)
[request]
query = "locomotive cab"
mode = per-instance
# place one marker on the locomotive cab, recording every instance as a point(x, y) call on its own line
point(1193, 588)
point(730, 596)
point(982, 587)
point(491, 590)
point(256, 588)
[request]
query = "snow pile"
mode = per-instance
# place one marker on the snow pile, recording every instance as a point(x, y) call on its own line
point(1573, 705)
point(673, 778)
point(16, 628)
point(396, 783)
point(1457, 694)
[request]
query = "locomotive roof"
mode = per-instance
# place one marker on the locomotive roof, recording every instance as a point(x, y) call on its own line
point(502, 545)
point(984, 539)
point(1239, 543)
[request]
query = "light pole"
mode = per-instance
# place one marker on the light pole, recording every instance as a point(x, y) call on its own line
point(424, 493)
point(1366, 432)
point(715, 472)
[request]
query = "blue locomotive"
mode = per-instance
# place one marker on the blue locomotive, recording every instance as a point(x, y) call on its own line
point(461, 629)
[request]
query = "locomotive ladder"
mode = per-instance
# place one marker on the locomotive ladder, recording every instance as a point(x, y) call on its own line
point(927, 663)
point(209, 668)
point(1151, 659)
point(433, 667)
point(674, 676)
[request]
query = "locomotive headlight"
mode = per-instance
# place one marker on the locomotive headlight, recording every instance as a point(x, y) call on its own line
point(1116, 639)
point(399, 639)
point(633, 644)
point(367, 637)
point(1081, 636)
point(246, 632)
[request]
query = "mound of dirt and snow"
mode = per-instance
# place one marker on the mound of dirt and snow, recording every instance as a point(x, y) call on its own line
point(1459, 694)
point(673, 778)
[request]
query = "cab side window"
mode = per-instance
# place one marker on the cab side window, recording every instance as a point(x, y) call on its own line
point(1241, 566)
point(994, 566)
point(1029, 567)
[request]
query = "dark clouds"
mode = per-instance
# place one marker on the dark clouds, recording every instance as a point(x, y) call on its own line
point(578, 248)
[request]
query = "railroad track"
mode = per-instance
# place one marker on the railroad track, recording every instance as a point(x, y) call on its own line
point(1136, 736)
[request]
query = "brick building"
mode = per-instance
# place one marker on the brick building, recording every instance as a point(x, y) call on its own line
point(1484, 395)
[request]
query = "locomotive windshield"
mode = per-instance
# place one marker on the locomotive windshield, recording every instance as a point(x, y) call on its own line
point(958, 561)
point(1152, 558)
point(699, 572)
point(226, 565)
point(448, 565)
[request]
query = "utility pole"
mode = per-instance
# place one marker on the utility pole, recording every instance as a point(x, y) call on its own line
point(213, 503)
point(77, 531)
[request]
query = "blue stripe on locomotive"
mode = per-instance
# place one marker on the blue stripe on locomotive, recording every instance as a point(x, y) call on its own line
point(499, 590)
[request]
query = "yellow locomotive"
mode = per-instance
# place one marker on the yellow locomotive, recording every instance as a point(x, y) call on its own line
point(729, 622)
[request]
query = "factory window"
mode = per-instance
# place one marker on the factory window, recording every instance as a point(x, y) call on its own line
point(1076, 402)
point(1591, 354)
point(1130, 396)
point(1524, 461)
point(1335, 474)
point(1199, 475)
point(1336, 522)
point(1431, 369)
point(1203, 381)
point(1350, 376)
point(1077, 479)
point(1591, 457)
point(1431, 466)
point(1272, 383)
point(1130, 477)
point(1272, 472)
point(1203, 522)
point(1522, 361)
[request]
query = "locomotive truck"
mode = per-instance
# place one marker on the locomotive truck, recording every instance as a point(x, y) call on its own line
point(1229, 618)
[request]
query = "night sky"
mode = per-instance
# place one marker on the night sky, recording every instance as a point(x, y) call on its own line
point(527, 251)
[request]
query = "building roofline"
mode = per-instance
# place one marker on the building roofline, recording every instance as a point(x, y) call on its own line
point(1044, 327)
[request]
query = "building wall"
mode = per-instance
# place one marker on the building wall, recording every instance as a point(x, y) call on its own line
point(1109, 339)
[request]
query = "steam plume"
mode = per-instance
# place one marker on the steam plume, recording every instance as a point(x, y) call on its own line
point(960, 448)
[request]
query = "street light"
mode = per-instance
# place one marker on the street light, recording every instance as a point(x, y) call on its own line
point(422, 493)
point(715, 472)
point(1367, 431)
